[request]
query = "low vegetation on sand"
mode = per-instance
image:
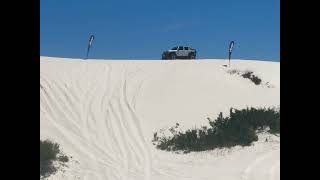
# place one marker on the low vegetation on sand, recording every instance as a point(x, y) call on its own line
point(49, 154)
point(249, 75)
point(240, 128)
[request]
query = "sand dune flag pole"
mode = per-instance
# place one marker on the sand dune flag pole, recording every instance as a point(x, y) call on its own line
point(89, 45)
point(230, 50)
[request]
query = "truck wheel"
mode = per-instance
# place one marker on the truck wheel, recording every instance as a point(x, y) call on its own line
point(173, 56)
point(191, 56)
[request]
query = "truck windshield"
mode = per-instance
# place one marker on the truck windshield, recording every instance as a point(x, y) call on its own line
point(175, 48)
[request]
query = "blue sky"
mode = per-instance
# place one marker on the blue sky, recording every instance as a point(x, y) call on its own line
point(142, 29)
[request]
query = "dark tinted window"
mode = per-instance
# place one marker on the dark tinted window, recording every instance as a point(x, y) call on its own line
point(186, 48)
point(175, 48)
point(180, 47)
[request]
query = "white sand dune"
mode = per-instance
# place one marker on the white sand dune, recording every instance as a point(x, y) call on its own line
point(104, 114)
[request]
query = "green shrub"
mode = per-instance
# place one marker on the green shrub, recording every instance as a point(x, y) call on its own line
point(50, 152)
point(238, 129)
point(249, 75)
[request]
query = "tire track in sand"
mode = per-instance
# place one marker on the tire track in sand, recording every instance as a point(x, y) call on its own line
point(255, 168)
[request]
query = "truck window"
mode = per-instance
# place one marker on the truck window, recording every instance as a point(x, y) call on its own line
point(175, 48)
point(180, 47)
point(186, 48)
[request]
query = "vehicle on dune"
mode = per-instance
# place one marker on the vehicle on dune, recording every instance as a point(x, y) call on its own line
point(179, 52)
